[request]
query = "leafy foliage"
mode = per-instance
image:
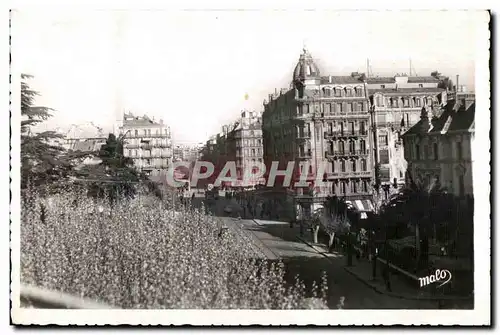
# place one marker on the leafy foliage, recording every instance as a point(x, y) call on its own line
point(139, 253)
point(334, 216)
point(42, 162)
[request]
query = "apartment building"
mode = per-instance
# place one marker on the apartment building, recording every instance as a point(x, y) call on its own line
point(438, 147)
point(147, 142)
point(321, 120)
point(395, 105)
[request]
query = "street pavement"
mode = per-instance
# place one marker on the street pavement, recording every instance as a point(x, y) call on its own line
point(276, 240)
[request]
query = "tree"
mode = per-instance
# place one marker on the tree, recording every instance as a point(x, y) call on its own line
point(333, 217)
point(42, 161)
point(422, 204)
point(115, 176)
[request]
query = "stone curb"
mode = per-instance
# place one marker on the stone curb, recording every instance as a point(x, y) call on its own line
point(376, 289)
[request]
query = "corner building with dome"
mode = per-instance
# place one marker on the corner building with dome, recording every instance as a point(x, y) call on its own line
point(322, 120)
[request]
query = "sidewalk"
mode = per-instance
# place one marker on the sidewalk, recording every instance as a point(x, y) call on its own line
point(401, 286)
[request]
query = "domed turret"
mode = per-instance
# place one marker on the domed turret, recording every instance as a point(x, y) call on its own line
point(306, 68)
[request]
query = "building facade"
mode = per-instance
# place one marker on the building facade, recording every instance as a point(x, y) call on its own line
point(322, 121)
point(148, 143)
point(438, 147)
point(249, 147)
point(395, 105)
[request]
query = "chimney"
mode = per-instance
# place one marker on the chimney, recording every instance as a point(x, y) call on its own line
point(456, 85)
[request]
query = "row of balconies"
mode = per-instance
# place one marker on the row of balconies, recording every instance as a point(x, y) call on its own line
point(330, 134)
point(344, 153)
point(145, 155)
point(142, 136)
point(350, 133)
point(147, 146)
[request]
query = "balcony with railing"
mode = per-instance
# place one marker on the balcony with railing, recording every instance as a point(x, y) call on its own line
point(345, 153)
point(345, 133)
point(305, 154)
point(304, 135)
point(348, 174)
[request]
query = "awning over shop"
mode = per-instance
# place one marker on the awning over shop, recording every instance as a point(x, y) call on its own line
point(361, 205)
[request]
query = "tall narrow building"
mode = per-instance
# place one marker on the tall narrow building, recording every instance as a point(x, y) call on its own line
point(148, 143)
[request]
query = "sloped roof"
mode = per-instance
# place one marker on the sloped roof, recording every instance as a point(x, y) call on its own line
point(406, 90)
point(91, 145)
point(454, 118)
point(380, 80)
point(85, 130)
point(426, 79)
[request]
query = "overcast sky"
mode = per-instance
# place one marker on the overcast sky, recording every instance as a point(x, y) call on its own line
point(193, 69)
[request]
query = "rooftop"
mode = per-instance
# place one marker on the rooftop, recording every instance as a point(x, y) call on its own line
point(405, 90)
point(341, 80)
point(455, 117)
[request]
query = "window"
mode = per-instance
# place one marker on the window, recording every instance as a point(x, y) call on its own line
point(418, 103)
point(251, 133)
point(156, 132)
point(353, 165)
point(360, 106)
point(149, 132)
point(301, 150)
point(342, 128)
point(362, 146)
point(332, 166)
point(380, 100)
point(351, 146)
point(362, 127)
point(363, 164)
point(338, 92)
point(318, 133)
point(382, 86)
point(341, 107)
point(145, 132)
point(135, 152)
point(136, 132)
point(130, 152)
point(353, 186)
point(383, 140)
point(327, 92)
point(417, 152)
point(342, 187)
point(459, 151)
point(384, 156)
point(330, 127)
point(306, 109)
point(253, 152)
point(328, 108)
point(351, 127)
point(435, 150)
point(349, 107)
point(420, 85)
point(406, 102)
point(148, 161)
point(341, 147)
point(365, 186)
point(342, 165)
